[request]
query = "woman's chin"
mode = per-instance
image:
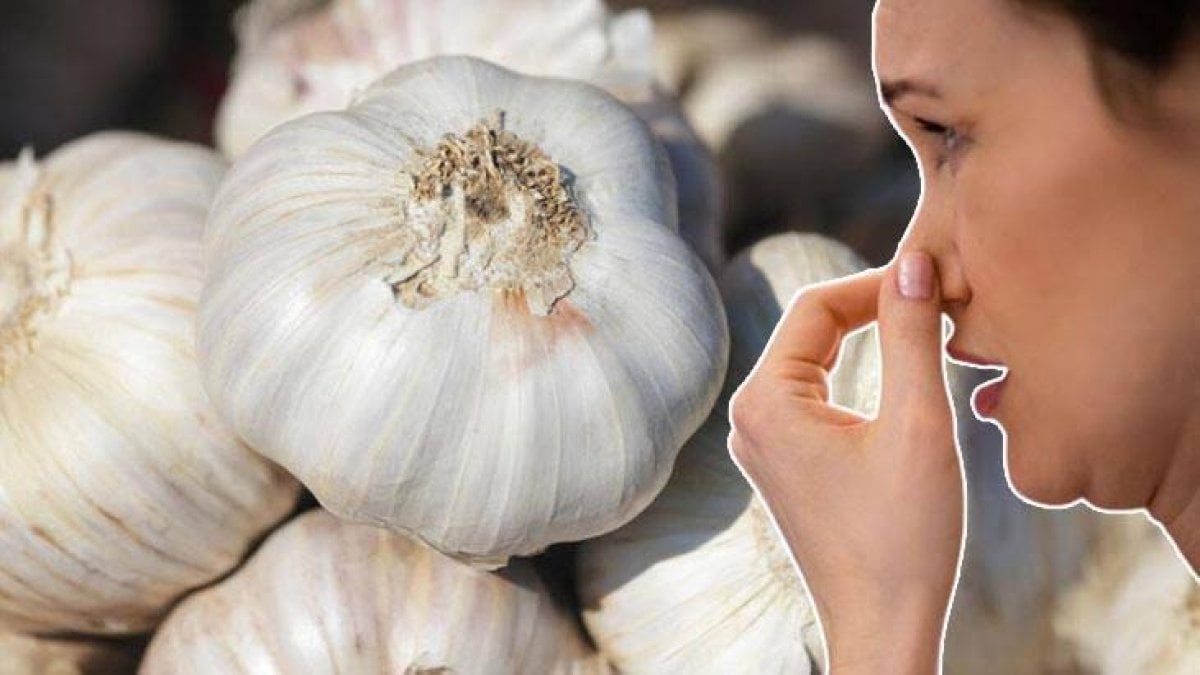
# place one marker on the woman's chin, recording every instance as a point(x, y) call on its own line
point(1035, 480)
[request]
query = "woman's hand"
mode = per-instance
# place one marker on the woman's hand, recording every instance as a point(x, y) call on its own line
point(872, 510)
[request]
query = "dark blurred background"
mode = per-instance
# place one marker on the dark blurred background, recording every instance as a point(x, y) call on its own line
point(69, 67)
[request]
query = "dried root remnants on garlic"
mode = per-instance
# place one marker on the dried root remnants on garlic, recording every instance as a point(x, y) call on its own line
point(326, 596)
point(459, 309)
point(121, 488)
point(701, 582)
point(324, 59)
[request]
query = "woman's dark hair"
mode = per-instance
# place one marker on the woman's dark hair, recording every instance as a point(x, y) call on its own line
point(1134, 43)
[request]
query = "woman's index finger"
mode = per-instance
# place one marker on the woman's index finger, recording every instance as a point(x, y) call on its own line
point(819, 317)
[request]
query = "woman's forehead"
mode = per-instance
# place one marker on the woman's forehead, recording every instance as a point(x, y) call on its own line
point(956, 44)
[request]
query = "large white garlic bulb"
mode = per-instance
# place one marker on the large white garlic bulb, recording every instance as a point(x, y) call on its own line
point(701, 582)
point(1136, 608)
point(326, 596)
point(121, 487)
point(459, 309)
point(324, 59)
point(31, 655)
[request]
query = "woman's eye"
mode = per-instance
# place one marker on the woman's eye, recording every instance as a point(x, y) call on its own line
point(947, 134)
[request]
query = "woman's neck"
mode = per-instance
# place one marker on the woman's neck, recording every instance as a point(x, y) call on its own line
point(1176, 503)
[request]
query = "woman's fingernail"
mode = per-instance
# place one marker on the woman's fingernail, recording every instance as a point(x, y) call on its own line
point(916, 275)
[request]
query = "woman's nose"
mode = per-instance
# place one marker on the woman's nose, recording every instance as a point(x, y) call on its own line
point(951, 274)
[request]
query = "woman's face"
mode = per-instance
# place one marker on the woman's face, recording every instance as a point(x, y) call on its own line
point(1068, 243)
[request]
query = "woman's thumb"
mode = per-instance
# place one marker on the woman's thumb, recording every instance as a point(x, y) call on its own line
point(910, 336)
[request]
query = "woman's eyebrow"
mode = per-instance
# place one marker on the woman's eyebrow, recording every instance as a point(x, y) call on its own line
point(892, 90)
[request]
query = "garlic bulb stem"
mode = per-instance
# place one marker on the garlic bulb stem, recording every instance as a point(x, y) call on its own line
point(487, 209)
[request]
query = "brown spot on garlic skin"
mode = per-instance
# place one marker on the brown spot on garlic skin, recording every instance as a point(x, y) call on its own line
point(520, 340)
point(485, 209)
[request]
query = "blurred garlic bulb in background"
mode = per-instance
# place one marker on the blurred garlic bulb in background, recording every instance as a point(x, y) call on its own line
point(1137, 607)
point(701, 582)
point(459, 309)
point(689, 42)
point(324, 59)
point(789, 122)
point(326, 596)
point(121, 488)
point(28, 655)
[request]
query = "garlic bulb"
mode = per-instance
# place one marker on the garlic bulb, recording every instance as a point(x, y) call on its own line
point(1137, 608)
point(701, 582)
point(459, 309)
point(121, 488)
point(688, 42)
point(324, 59)
point(29, 655)
point(326, 596)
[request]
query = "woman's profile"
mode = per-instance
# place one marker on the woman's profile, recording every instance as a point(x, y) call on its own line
point(1059, 229)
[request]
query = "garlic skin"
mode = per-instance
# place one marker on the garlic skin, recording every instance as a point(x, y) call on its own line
point(1137, 607)
point(701, 581)
point(323, 59)
point(29, 655)
point(122, 489)
point(326, 596)
point(374, 321)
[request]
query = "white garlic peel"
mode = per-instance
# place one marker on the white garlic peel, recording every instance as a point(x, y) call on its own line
point(121, 487)
point(409, 358)
point(326, 596)
point(1136, 608)
point(324, 59)
point(702, 582)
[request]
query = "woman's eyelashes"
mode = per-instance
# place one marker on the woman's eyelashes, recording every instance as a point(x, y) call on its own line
point(948, 137)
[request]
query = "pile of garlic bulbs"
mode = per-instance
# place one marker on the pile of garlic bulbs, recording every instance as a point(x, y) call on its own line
point(428, 370)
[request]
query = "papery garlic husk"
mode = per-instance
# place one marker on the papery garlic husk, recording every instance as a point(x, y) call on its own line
point(490, 361)
point(790, 123)
point(1137, 607)
point(702, 582)
point(31, 655)
point(326, 596)
point(122, 488)
point(323, 59)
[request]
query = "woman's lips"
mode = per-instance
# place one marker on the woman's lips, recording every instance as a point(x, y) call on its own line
point(967, 357)
point(987, 397)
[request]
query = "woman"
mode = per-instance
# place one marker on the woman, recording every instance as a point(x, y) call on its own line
point(1059, 229)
